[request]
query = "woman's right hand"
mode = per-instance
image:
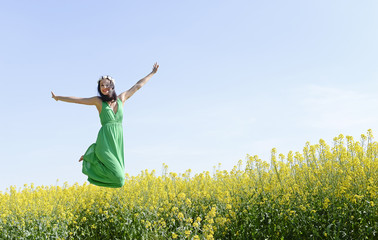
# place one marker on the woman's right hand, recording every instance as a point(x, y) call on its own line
point(53, 96)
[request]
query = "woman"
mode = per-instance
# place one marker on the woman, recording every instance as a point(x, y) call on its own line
point(103, 162)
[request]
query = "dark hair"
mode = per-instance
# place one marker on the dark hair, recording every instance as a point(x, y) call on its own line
point(112, 94)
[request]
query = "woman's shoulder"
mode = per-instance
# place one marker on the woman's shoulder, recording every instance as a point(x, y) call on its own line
point(96, 100)
point(120, 100)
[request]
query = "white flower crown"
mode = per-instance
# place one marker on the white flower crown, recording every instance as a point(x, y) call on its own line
point(106, 77)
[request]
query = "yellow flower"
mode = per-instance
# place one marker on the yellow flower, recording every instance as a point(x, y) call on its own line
point(174, 235)
point(181, 196)
point(148, 224)
point(209, 237)
point(326, 203)
point(180, 216)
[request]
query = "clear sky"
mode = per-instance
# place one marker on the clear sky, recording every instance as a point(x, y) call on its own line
point(235, 78)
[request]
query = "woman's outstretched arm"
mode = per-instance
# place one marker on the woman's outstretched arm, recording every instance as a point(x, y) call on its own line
point(86, 101)
point(127, 94)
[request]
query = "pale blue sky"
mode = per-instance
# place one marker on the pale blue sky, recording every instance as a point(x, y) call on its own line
point(235, 78)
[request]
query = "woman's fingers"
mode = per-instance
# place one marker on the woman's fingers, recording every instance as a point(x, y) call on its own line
point(155, 68)
point(53, 96)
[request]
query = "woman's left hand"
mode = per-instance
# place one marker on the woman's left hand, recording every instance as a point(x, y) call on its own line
point(155, 68)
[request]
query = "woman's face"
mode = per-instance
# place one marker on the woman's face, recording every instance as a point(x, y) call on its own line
point(105, 86)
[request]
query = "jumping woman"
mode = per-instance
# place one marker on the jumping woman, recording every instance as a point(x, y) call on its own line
point(103, 162)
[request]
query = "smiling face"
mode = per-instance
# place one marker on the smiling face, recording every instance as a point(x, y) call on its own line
point(105, 86)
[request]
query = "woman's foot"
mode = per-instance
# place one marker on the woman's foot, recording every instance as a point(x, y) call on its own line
point(82, 158)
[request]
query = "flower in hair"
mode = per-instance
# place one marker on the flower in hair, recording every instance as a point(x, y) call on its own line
point(106, 77)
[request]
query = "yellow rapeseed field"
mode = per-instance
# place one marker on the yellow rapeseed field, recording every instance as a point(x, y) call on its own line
point(323, 192)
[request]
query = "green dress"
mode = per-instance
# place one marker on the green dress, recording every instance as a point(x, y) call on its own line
point(103, 162)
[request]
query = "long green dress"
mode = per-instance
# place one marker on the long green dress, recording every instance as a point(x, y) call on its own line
point(103, 162)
